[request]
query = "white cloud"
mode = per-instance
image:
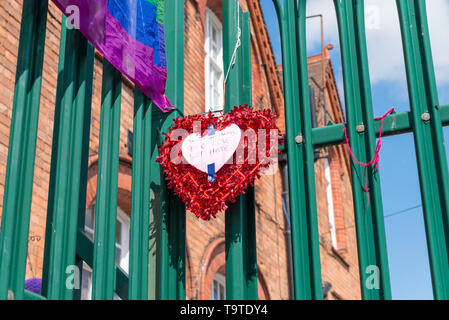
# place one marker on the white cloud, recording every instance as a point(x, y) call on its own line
point(438, 16)
point(384, 37)
point(326, 8)
point(385, 52)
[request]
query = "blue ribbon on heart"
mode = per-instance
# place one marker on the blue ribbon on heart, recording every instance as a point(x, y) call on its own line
point(211, 166)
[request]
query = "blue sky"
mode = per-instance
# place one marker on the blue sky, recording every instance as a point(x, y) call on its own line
point(406, 240)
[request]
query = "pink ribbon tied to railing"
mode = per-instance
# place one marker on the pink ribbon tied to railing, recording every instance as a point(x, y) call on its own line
point(376, 158)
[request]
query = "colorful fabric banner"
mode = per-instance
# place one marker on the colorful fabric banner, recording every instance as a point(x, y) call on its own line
point(130, 35)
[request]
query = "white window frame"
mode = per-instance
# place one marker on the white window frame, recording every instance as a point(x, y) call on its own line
point(88, 230)
point(330, 203)
point(123, 264)
point(211, 62)
point(125, 223)
point(86, 278)
point(218, 280)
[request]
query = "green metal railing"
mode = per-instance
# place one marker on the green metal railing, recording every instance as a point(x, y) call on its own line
point(69, 160)
point(425, 121)
point(66, 244)
point(158, 227)
point(372, 249)
point(240, 223)
point(22, 147)
point(304, 225)
point(169, 214)
point(107, 185)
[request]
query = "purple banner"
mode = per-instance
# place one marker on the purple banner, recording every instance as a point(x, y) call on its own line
point(130, 35)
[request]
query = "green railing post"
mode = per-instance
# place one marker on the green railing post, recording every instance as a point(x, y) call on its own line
point(22, 149)
point(168, 214)
point(167, 225)
point(140, 199)
point(304, 225)
point(107, 185)
point(241, 251)
point(70, 149)
point(176, 249)
point(372, 249)
point(428, 134)
point(174, 29)
point(83, 182)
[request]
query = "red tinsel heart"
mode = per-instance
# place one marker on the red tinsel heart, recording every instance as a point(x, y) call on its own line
point(205, 199)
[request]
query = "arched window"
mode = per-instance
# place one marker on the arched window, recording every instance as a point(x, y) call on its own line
point(213, 279)
point(213, 49)
point(121, 248)
point(218, 290)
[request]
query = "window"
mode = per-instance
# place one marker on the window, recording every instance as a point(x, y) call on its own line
point(330, 202)
point(218, 290)
point(122, 241)
point(86, 277)
point(121, 248)
point(86, 285)
point(214, 75)
point(89, 225)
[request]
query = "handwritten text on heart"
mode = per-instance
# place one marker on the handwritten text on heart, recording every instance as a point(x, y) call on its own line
point(217, 148)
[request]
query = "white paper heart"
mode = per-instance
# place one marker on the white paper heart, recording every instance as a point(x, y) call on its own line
point(211, 149)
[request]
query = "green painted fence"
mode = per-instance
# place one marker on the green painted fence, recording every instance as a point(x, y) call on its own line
point(425, 120)
point(158, 226)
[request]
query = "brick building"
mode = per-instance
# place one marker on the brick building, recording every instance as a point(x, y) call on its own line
point(205, 240)
point(338, 243)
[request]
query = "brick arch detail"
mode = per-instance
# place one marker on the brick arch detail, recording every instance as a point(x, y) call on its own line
point(124, 182)
point(214, 5)
point(214, 260)
point(201, 4)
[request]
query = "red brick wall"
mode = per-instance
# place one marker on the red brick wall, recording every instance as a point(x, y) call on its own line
point(10, 12)
point(339, 266)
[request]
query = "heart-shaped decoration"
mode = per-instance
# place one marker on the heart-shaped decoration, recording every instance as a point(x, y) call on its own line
point(214, 148)
point(237, 146)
